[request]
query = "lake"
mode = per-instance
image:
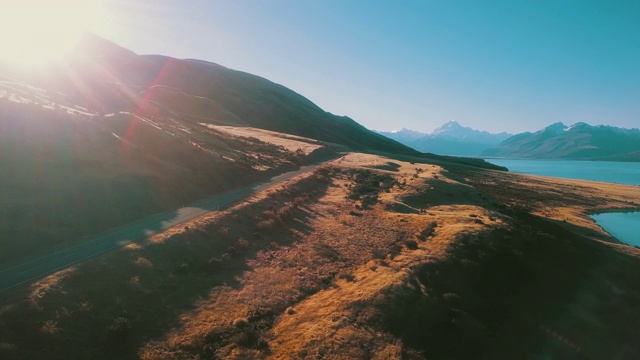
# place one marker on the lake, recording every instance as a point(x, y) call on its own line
point(608, 171)
point(623, 226)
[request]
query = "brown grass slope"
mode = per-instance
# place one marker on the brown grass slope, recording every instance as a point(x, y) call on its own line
point(368, 258)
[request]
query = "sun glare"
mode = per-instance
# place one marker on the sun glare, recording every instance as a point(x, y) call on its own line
point(36, 32)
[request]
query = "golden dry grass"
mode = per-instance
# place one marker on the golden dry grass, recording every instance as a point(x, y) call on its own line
point(562, 200)
point(320, 322)
point(365, 257)
point(329, 277)
point(290, 142)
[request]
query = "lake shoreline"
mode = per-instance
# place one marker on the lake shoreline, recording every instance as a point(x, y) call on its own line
point(622, 211)
point(621, 225)
point(554, 159)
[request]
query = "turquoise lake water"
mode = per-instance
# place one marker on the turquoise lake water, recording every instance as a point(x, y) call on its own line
point(608, 171)
point(624, 226)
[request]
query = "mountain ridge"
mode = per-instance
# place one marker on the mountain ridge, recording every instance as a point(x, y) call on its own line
point(256, 100)
point(579, 141)
point(230, 95)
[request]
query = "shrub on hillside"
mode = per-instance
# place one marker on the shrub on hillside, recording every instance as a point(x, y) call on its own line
point(266, 225)
point(369, 183)
point(215, 264)
point(223, 231)
point(411, 244)
point(242, 244)
point(299, 201)
point(428, 231)
point(369, 200)
point(118, 332)
point(286, 212)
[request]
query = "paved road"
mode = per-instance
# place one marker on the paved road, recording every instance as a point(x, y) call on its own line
point(36, 268)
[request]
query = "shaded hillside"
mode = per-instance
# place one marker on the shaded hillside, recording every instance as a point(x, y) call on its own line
point(104, 78)
point(366, 258)
point(69, 173)
point(580, 142)
point(108, 78)
point(449, 139)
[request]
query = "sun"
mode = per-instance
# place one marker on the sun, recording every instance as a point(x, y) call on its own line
point(36, 32)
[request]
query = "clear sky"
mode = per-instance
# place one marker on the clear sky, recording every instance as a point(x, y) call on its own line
point(493, 65)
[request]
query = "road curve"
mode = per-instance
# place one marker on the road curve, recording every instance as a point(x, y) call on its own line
point(48, 263)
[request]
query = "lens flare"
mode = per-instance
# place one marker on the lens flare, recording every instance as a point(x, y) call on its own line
point(36, 32)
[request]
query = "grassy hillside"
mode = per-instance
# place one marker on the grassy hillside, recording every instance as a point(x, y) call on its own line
point(368, 257)
point(68, 174)
point(107, 78)
point(110, 136)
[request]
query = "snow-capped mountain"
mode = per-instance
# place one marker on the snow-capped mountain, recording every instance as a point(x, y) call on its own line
point(578, 141)
point(449, 139)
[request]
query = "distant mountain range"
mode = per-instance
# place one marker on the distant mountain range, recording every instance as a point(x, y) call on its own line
point(580, 141)
point(449, 139)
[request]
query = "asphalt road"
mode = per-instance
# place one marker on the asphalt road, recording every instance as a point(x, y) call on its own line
point(37, 268)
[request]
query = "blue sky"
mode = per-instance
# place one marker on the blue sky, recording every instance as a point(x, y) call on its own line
point(492, 65)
